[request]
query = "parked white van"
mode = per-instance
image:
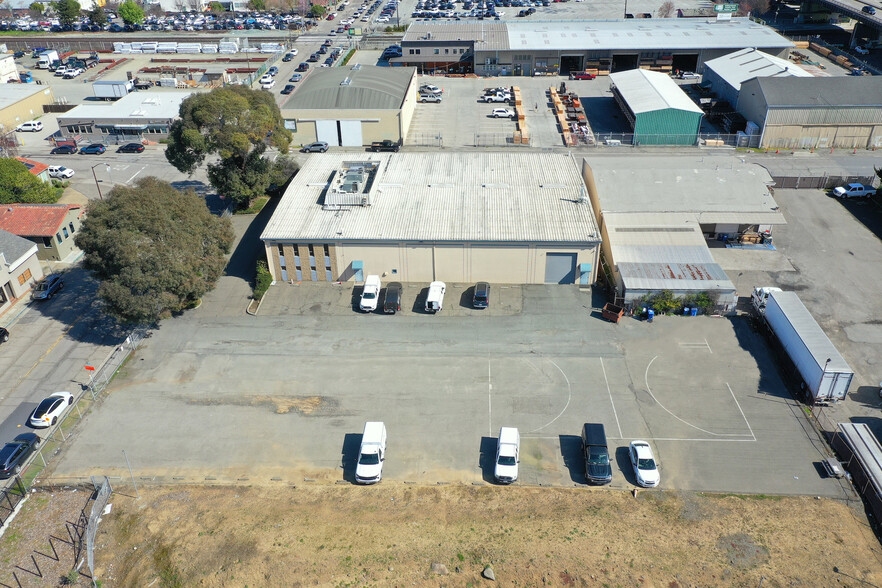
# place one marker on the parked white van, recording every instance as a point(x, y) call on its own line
point(371, 294)
point(435, 298)
point(369, 469)
point(507, 455)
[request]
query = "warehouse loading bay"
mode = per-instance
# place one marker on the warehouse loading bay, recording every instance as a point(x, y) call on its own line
point(282, 397)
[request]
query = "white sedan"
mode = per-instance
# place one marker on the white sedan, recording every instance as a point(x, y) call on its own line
point(645, 468)
point(503, 113)
point(59, 171)
point(49, 411)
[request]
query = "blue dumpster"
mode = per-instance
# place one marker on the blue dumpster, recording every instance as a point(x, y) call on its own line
point(650, 314)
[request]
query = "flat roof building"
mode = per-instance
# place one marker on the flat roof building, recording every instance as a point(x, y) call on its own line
point(352, 106)
point(22, 102)
point(132, 118)
point(499, 217)
point(725, 74)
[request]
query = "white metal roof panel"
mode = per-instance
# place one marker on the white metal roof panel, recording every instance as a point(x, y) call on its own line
point(674, 276)
point(749, 63)
point(137, 105)
point(454, 197)
point(663, 34)
point(648, 91)
point(867, 450)
point(811, 333)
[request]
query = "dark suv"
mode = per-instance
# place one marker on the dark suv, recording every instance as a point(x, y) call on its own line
point(15, 453)
point(392, 302)
point(481, 298)
point(47, 288)
point(597, 467)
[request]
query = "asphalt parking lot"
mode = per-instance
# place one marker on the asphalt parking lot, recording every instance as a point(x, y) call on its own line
point(284, 395)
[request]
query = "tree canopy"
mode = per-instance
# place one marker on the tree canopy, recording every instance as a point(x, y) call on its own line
point(155, 249)
point(67, 11)
point(19, 185)
point(237, 124)
point(131, 13)
point(259, 5)
point(97, 16)
point(316, 10)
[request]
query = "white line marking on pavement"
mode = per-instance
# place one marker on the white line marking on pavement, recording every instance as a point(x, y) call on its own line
point(569, 398)
point(129, 181)
point(489, 401)
point(608, 391)
point(749, 428)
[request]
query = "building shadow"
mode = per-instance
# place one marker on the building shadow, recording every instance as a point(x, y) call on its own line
point(249, 249)
point(865, 211)
point(349, 455)
point(571, 452)
point(487, 459)
point(604, 116)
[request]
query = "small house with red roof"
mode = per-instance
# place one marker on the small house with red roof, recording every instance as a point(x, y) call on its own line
point(50, 226)
point(41, 170)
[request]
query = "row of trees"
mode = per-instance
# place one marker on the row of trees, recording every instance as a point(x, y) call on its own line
point(69, 11)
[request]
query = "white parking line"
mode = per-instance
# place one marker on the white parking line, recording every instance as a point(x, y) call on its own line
point(489, 401)
point(129, 181)
point(749, 428)
point(569, 398)
point(608, 391)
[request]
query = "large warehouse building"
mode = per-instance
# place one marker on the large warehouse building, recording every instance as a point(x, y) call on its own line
point(530, 47)
point(352, 106)
point(725, 74)
point(659, 112)
point(510, 218)
point(22, 102)
point(656, 215)
point(815, 113)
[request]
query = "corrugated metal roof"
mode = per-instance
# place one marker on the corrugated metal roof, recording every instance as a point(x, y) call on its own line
point(663, 34)
point(467, 196)
point(811, 333)
point(141, 105)
point(487, 35)
point(648, 91)
point(674, 276)
point(714, 189)
point(369, 88)
point(837, 91)
point(743, 65)
point(867, 450)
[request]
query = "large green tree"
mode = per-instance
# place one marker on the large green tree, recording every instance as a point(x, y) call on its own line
point(131, 13)
point(237, 125)
point(155, 249)
point(317, 10)
point(97, 16)
point(67, 11)
point(19, 185)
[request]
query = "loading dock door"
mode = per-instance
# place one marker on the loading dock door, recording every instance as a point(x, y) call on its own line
point(350, 133)
point(560, 268)
point(326, 130)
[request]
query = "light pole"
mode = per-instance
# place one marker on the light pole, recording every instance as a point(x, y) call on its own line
point(626, 9)
point(109, 177)
point(100, 195)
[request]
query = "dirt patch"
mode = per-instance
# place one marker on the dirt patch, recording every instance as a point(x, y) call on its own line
point(742, 551)
point(305, 405)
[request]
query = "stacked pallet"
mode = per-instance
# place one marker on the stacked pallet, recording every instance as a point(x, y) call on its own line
point(521, 136)
point(819, 49)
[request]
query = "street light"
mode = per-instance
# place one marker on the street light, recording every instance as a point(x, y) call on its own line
point(100, 195)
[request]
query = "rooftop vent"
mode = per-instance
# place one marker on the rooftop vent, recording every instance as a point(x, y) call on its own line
point(346, 82)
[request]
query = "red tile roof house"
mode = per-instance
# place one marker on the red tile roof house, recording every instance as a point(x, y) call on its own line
point(41, 170)
point(50, 226)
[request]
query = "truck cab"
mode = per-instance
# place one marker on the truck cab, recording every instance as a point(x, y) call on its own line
point(760, 296)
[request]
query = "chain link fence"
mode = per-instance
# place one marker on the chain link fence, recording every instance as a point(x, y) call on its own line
point(102, 495)
point(425, 139)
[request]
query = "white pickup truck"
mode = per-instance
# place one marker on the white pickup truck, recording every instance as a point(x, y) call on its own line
point(854, 191)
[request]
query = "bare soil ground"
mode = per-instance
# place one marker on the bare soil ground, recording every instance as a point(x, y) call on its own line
point(396, 535)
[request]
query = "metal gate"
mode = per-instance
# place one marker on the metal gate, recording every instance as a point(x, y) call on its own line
point(560, 268)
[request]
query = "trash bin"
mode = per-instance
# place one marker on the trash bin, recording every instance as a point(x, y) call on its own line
point(694, 312)
point(686, 311)
point(650, 314)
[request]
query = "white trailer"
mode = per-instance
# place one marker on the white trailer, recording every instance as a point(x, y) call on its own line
point(110, 90)
point(824, 374)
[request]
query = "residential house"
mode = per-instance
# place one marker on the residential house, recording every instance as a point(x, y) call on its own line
point(19, 268)
point(50, 226)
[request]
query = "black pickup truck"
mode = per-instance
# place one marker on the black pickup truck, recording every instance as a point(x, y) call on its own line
point(386, 145)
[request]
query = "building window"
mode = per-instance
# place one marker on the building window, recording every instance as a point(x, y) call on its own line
point(72, 229)
point(3, 298)
point(417, 51)
point(47, 242)
point(410, 51)
point(24, 277)
point(58, 237)
point(447, 51)
point(437, 51)
point(461, 51)
point(64, 230)
point(327, 253)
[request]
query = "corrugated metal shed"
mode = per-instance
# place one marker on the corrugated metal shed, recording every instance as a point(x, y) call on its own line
point(488, 35)
point(443, 197)
point(840, 91)
point(815, 339)
point(365, 87)
point(740, 66)
point(673, 276)
point(648, 91)
point(663, 34)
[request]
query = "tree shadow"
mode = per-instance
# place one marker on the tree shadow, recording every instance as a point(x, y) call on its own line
point(487, 459)
point(250, 248)
point(349, 455)
point(79, 306)
point(573, 458)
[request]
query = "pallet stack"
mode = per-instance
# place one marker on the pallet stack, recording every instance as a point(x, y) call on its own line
point(521, 136)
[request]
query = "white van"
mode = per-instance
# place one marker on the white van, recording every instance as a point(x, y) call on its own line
point(507, 455)
point(369, 469)
point(370, 295)
point(435, 298)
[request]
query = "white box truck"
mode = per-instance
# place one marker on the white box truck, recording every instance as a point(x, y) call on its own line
point(507, 455)
point(371, 454)
point(46, 58)
point(435, 297)
point(823, 373)
point(110, 90)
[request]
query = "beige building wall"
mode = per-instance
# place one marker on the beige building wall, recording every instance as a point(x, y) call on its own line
point(25, 110)
point(376, 125)
point(822, 137)
point(17, 281)
point(409, 106)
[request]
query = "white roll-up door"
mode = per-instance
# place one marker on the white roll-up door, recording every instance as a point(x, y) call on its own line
point(350, 132)
point(326, 130)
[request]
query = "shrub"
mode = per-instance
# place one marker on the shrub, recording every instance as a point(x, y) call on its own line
point(348, 56)
point(262, 281)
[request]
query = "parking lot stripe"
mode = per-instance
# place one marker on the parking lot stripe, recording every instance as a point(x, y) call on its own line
point(749, 428)
point(664, 408)
point(567, 405)
point(489, 401)
point(608, 391)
